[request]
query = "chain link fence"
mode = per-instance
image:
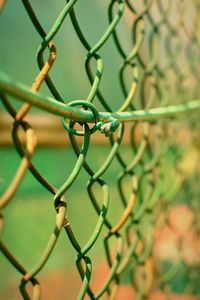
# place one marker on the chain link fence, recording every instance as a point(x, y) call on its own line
point(155, 117)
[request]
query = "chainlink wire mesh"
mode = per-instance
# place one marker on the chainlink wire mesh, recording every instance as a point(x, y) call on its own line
point(158, 75)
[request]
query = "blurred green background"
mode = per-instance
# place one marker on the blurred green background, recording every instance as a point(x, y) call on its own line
point(30, 217)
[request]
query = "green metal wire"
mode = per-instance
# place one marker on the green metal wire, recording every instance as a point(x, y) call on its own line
point(158, 75)
point(23, 93)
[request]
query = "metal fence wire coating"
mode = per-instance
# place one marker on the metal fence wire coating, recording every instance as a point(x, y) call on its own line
point(155, 117)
